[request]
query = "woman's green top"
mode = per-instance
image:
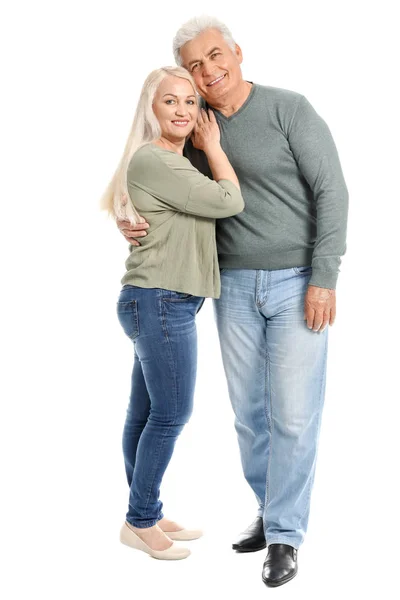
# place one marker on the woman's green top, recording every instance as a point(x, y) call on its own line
point(180, 204)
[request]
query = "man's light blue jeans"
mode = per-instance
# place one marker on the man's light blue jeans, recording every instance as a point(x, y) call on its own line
point(275, 368)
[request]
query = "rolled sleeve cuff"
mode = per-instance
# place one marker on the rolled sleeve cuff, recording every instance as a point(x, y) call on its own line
point(323, 279)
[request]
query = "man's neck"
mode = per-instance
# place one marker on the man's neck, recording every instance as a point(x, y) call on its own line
point(229, 105)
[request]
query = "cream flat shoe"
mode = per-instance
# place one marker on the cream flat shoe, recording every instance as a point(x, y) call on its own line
point(184, 535)
point(129, 538)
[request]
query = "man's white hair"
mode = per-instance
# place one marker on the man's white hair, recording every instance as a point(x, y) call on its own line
point(192, 28)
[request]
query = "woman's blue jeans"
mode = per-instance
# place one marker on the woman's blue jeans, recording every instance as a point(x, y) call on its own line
point(161, 324)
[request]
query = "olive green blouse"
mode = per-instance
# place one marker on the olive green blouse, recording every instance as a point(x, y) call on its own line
point(180, 204)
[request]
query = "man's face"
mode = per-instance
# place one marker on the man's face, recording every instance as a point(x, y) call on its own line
point(213, 65)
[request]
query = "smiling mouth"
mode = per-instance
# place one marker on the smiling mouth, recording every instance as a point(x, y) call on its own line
point(216, 81)
point(180, 123)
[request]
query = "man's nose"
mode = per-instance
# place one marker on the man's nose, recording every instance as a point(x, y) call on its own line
point(207, 68)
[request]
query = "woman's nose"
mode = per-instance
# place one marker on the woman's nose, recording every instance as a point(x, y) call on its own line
point(181, 109)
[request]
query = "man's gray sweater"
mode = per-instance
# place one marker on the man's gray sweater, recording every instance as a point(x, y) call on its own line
point(292, 184)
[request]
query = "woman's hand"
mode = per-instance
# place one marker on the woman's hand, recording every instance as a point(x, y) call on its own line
point(206, 134)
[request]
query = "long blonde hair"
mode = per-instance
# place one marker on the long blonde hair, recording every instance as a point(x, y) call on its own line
point(145, 129)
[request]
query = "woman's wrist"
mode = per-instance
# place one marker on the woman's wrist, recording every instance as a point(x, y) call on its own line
point(213, 148)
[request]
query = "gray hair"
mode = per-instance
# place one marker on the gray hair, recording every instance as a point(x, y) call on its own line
point(194, 27)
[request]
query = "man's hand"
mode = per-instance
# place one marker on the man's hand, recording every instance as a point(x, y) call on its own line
point(319, 307)
point(130, 232)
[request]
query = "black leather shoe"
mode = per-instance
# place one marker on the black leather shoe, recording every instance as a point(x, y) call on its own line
point(252, 538)
point(280, 565)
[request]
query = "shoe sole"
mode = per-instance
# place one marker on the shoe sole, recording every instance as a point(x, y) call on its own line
point(239, 549)
point(176, 537)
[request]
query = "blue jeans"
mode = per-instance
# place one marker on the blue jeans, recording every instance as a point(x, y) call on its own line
point(161, 324)
point(275, 368)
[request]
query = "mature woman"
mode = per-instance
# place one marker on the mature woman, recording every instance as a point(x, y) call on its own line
point(164, 286)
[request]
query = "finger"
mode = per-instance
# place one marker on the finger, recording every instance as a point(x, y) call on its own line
point(135, 234)
point(204, 118)
point(212, 116)
point(325, 321)
point(122, 223)
point(310, 317)
point(132, 241)
point(318, 320)
point(333, 315)
point(134, 228)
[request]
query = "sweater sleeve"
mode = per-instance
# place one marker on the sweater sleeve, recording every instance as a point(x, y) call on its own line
point(315, 153)
point(173, 180)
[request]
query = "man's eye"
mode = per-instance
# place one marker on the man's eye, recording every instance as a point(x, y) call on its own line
point(215, 54)
point(195, 67)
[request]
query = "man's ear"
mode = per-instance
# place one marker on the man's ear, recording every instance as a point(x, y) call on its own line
point(238, 53)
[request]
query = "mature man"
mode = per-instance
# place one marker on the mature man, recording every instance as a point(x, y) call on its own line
point(279, 263)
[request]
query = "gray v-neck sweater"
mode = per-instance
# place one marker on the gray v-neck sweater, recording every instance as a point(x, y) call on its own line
point(292, 184)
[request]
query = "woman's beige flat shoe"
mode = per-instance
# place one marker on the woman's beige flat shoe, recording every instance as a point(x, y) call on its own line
point(129, 538)
point(184, 535)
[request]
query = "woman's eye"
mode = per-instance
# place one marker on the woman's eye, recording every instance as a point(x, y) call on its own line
point(169, 101)
point(191, 102)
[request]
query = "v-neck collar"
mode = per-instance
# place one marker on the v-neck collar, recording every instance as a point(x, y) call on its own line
point(241, 109)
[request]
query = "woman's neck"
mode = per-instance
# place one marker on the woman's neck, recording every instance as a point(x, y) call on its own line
point(173, 146)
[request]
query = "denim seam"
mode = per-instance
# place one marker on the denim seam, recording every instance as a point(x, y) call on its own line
point(189, 297)
point(155, 464)
point(268, 395)
point(161, 444)
point(258, 286)
point(268, 286)
point(310, 484)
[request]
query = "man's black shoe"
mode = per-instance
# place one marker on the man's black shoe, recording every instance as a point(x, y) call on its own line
point(252, 538)
point(280, 565)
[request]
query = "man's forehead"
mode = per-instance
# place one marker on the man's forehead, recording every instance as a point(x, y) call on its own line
point(202, 44)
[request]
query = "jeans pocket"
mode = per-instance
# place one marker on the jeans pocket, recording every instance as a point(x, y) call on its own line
point(129, 318)
point(302, 270)
point(171, 296)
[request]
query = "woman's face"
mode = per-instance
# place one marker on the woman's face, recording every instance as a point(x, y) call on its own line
point(175, 106)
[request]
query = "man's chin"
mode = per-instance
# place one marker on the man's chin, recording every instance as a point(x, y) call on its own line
point(215, 94)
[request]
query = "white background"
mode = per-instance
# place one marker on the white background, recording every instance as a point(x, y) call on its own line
point(71, 74)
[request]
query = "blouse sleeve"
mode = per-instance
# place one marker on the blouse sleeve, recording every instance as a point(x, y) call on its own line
point(173, 180)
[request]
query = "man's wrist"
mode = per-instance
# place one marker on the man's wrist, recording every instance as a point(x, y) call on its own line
point(323, 279)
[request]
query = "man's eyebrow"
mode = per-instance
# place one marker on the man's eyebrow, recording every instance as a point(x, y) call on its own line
point(208, 54)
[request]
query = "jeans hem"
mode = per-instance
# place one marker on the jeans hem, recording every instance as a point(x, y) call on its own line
point(142, 524)
point(283, 540)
